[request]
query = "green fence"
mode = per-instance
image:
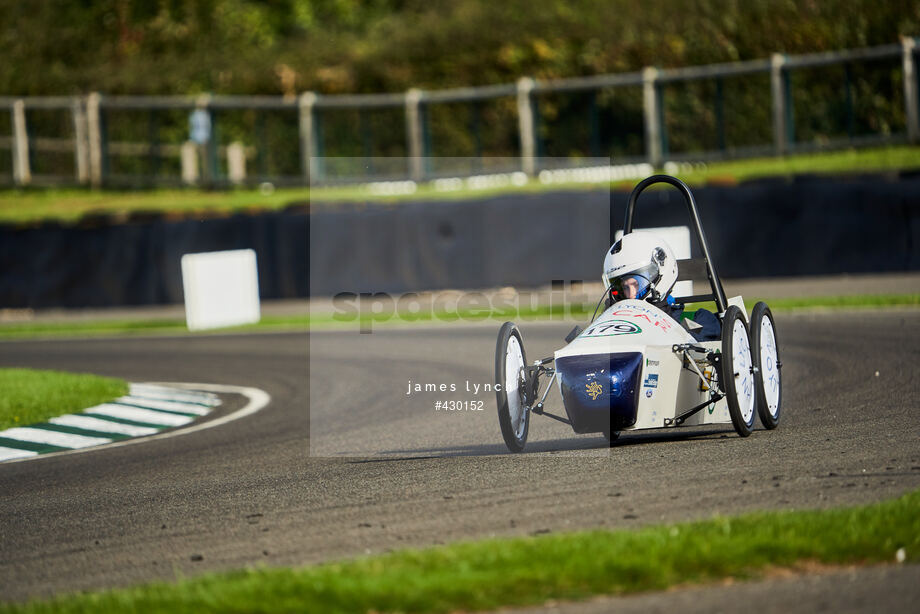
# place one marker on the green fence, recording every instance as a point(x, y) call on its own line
point(774, 106)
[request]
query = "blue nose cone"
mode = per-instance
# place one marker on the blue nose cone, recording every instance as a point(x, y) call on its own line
point(600, 391)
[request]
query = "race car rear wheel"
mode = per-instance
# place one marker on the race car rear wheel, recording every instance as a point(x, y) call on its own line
point(767, 380)
point(511, 382)
point(737, 371)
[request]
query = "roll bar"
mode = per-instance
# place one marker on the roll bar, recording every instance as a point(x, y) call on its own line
point(717, 292)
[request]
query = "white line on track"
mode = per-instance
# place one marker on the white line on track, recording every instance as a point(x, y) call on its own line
point(53, 438)
point(157, 392)
point(10, 453)
point(150, 416)
point(256, 401)
point(185, 408)
point(105, 426)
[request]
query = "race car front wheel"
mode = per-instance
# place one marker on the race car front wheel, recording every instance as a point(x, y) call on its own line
point(767, 380)
point(738, 371)
point(510, 383)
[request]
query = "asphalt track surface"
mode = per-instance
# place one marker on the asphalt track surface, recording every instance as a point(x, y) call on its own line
point(248, 492)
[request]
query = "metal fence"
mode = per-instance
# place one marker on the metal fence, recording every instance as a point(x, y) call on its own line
point(776, 106)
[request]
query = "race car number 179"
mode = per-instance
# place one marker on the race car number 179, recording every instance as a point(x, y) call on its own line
point(611, 328)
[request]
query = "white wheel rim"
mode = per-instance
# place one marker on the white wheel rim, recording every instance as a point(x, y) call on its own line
point(769, 365)
point(514, 366)
point(744, 379)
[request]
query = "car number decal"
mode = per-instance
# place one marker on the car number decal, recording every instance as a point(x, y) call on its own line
point(612, 328)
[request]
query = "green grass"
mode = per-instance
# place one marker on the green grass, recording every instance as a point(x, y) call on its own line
point(869, 301)
point(842, 161)
point(96, 328)
point(93, 328)
point(68, 205)
point(28, 396)
point(832, 302)
point(525, 571)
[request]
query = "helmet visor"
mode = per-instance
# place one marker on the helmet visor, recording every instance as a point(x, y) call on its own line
point(629, 286)
point(635, 285)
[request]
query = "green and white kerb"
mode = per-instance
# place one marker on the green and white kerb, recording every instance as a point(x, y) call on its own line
point(147, 410)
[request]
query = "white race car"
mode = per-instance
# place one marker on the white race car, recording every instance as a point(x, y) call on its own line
point(637, 367)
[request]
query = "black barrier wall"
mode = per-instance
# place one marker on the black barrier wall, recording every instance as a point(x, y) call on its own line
point(809, 226)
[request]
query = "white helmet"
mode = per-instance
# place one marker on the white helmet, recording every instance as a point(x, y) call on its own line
point(640, 265)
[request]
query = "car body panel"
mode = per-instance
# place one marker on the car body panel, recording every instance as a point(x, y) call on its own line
point(626, 355)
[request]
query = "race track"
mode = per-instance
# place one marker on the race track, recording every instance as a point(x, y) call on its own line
point(248, 492)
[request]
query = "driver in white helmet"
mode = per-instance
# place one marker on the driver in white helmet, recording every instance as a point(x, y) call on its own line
point(642, 266)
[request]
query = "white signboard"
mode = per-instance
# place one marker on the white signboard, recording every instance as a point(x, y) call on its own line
point(678, 237)
point(221, 289)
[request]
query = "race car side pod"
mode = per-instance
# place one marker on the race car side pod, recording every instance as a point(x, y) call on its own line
point(714, 396)
point(678, 420)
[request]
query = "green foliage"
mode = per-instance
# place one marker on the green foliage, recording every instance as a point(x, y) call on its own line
point(531, 570)
point(285, 47)
point(331, 46)
point(28, 396)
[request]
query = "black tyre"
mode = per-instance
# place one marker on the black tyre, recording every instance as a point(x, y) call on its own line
point(767, 377)
point(513, 413)
point(737, 377)
point(611, 436)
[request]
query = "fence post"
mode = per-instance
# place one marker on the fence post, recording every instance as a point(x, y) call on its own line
point(414, 134)
point(153, 151)
point(475, 128)
point(188, 155)
point(779, 96)
point(720, 114)
point(309, 135)
point(236, 163)
point(911, 102)
point(80, 146)
point(594, 140)
point(22, 172)
point(651, 103)
point(526, 125)
point(94, 136)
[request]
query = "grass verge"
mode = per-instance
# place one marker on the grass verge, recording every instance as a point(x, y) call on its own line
point(524, 571)
point(95, 328)
point(829, 302)
point(28, 396)
point(68, 205)
point(878, 159)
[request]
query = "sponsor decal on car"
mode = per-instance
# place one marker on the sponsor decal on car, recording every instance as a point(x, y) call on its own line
point(708, 373)
point(651, 380)
point(641, 312)
point(594, 390)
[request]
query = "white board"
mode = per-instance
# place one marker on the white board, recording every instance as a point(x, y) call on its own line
point(678, 237)
point(221, 289)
